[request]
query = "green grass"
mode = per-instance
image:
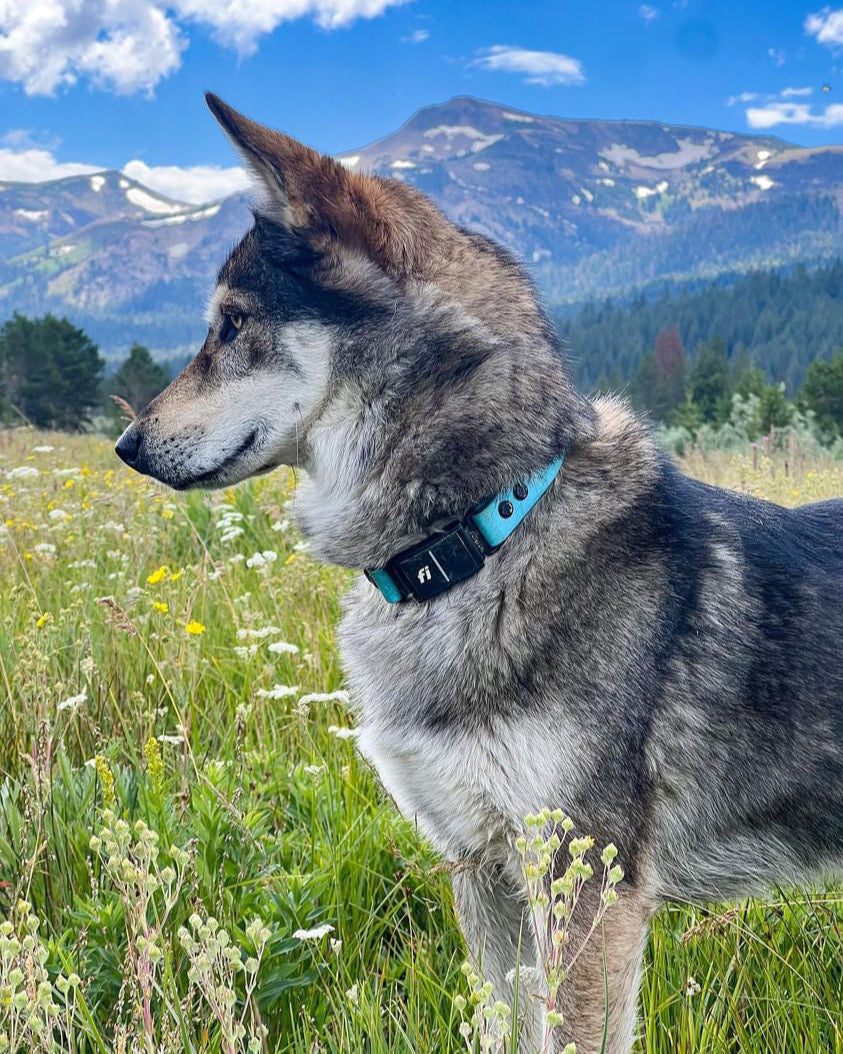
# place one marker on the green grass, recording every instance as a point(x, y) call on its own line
point(279, 817)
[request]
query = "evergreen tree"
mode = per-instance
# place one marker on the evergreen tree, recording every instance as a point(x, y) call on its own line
point(139, 378)
point(822, 392)
point(709, 385)
point(52, 371)
point(672, 368)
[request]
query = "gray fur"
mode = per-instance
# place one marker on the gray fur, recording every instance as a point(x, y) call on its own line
point(658, 658)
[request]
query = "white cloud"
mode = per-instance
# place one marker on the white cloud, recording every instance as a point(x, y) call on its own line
point(540, 67)
point(778, 55)
point(775, 113)
point(789, 93)
point(418, 36)
point(128, 46)
point(196, 184)
point(745, 96)
point(648, 12)
point(122, 45)
point(36, 165)
point(826, 26)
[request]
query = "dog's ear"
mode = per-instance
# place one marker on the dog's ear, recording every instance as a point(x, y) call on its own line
point(314, 198)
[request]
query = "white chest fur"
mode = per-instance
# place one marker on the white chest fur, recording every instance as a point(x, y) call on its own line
point(468, 783)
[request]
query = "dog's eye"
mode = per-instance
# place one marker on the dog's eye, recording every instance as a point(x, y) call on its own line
point(231, 323)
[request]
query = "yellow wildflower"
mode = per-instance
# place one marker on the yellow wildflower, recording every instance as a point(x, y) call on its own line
point(106, 780)
point(161, 606)
point(42, 621)
point(175, 576)
point(162, 573)
point(154, 763)
point(194, 628)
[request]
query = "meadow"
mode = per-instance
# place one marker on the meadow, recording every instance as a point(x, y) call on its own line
point(192, 856)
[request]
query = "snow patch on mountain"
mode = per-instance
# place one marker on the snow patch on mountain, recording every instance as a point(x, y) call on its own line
point(150, 203)
point(689, 153)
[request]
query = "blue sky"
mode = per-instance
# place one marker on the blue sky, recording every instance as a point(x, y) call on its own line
point(116, 83)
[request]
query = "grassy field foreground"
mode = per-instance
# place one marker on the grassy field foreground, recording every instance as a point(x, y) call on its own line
point(192, 858)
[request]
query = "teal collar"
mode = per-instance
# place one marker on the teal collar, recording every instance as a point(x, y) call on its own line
point(457, 552)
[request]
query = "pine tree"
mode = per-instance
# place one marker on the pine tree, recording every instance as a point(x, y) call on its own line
point(139, 378)
point(822, 392)
point(709, 384)
point(52, 371)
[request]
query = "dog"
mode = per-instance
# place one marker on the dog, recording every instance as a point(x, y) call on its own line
point(659, 658)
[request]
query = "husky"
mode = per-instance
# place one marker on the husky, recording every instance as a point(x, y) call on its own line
point(658, 658)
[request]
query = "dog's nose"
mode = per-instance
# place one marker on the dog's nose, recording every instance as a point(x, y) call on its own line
point(128, 445)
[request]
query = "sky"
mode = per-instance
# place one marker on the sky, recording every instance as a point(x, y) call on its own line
point(93, 84)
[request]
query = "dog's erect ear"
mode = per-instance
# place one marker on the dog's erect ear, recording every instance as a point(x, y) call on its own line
point(311, 195)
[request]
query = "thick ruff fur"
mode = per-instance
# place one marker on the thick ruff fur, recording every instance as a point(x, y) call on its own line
point(656, 657)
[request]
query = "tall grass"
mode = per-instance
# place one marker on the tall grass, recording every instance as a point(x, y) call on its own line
point(172, 659)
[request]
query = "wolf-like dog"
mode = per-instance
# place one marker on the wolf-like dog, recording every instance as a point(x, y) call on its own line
point(659, 658)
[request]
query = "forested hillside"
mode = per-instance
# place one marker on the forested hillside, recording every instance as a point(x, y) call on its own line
point(781, 322)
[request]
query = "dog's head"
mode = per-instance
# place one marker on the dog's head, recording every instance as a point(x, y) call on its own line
point(355, 291)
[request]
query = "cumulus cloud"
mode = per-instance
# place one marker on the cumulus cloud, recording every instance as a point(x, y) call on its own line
point(128, 46)
point(419, 36)
point(648, 12)
point(776, 113)
point(122, 45)
point(196, 184)
point(789, 93)
point(539, 67)
point(826, 26)
point(36, 165)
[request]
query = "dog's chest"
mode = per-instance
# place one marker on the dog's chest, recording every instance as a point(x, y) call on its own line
point(469, 777)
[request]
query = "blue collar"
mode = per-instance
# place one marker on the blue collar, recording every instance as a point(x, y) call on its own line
point(457, 552)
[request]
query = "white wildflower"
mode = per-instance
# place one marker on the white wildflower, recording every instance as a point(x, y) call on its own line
point(238, 558)
point(62, 473)
point(343, 733)
point(268, 556)
point(45, 547)
point(58, 514)
point(277, 691)
point(313, 770)
point(316, 934)
point(257, 634)
point(301, 547)
point(340, 696)
point(73, 703)
point(173, 740)
point(282, 647)
point(280, 525)
point(231, 534)
point(245, 651)
point(23, 472)
point(43, 449)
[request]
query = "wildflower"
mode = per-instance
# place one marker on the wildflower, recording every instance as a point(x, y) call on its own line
point(175, 741)
point(692, 987)
point(159, 575)
point(45, 547)
point(257, 634)
point(43, 449)
point(353, 994)
point(73, 703)
point(106, 777)
point(23, 472)
point(245, 651)
point(194, 628)
point(154, 763)
point(261, 559)
point(277, 691)
point(42, 620)
point(340, 696)
point(344, 733)
point(159, 605)
point(280, 525)
point(316, 934)
point(282, 647)
point(314, 770)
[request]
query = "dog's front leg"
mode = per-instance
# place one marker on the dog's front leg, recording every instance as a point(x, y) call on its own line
point(491, 909)
point(610, 957)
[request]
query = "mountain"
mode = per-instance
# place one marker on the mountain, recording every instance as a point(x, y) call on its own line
point(592, 207)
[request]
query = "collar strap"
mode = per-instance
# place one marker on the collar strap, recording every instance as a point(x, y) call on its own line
point(457, 552)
